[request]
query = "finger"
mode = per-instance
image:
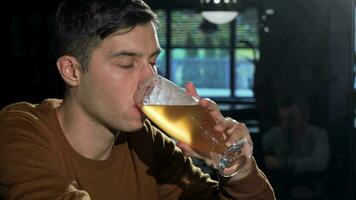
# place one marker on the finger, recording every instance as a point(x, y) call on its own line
point(240, 129)
point(232, 126)
point(226, 125)
point(191, 90)
point(231, 139)
point(237, 132)
point(212, 108)
point(187, 150)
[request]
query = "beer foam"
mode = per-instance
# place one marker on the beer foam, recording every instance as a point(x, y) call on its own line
point(165, 92)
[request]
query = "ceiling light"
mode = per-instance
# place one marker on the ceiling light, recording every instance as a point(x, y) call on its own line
point(219, 11)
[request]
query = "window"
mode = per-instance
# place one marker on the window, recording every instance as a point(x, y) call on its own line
point(200, 55)
point(244, 69)
point(218, 59)
point(208, 69)
point(161, 61)
point(246, 52)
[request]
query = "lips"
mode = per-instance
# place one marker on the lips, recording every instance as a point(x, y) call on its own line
point(138, 110)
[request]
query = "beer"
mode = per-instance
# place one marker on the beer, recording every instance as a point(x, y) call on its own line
point(190, 124)
point(180, 115)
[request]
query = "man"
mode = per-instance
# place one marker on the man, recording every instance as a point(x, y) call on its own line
point(96, 144)
point(296, 152)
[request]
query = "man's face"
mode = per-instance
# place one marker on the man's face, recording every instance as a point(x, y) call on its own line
point(291, 120)
point(116, 68)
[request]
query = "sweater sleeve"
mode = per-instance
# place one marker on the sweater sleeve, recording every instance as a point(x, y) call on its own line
point(254, 186)
point(28, 169)
point(191, 183)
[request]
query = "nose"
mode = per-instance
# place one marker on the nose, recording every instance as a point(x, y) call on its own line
point(153, 69)
point(148, 71)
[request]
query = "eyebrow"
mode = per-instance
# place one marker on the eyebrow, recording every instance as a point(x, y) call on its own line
point(123, 53)
point(132, 53)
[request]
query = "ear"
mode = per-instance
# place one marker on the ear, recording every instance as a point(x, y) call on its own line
point(69, 68)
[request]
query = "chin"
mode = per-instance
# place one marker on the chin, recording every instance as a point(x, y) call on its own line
point(132, 127)
point(134, 122)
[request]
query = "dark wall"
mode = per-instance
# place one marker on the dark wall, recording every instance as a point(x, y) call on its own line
point(294, 56)
point(309, 50)
point(28, 71)
point(341, 105)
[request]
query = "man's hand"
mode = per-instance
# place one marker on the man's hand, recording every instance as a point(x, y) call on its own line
point(231, 130)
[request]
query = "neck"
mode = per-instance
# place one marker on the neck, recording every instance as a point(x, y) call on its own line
point(85, 134)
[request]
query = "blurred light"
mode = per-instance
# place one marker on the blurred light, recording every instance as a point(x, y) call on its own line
point(219, 11)
point(219, 17)
point(269, 11)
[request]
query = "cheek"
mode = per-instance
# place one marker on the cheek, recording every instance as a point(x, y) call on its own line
point(108, 82)
point(122, 93)
point(116, 85)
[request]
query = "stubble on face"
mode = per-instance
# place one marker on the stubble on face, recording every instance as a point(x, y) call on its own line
point(107, 90)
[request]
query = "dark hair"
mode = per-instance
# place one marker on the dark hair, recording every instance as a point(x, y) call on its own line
point(299, 100)
point(80, 26)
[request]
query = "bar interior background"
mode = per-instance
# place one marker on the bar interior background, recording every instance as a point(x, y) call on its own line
point(312, 39)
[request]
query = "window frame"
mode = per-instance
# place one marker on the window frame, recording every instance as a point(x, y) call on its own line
point(168, 47)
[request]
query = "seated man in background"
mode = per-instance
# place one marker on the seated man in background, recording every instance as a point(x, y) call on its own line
point(296, 152)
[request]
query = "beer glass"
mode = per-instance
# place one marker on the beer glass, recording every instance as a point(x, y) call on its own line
point(181, 117)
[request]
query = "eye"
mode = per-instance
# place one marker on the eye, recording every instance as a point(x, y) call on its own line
point(126, 66)
point(126, 61)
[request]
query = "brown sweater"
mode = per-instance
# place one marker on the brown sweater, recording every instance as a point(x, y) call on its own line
point(37, 162)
